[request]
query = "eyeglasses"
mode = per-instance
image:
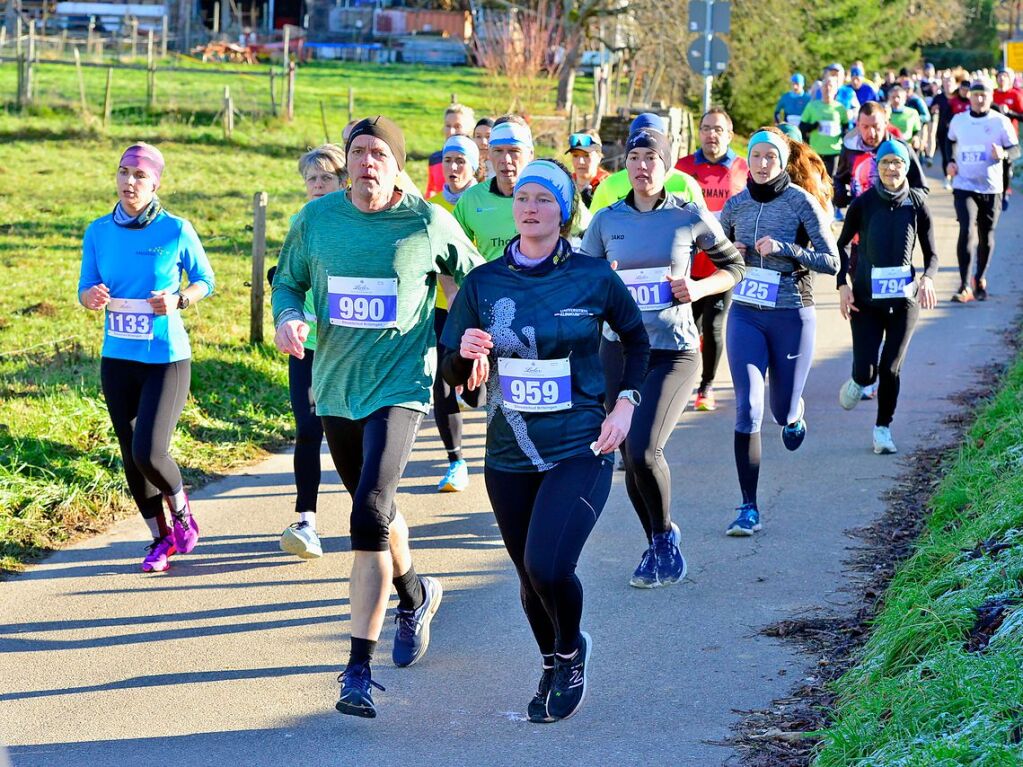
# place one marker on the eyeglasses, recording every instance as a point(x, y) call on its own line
point(893, 164)
point(581, 141)
point(716, 130)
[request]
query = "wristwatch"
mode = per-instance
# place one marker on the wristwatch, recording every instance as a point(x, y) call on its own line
point(183, 302)
point(632, 395)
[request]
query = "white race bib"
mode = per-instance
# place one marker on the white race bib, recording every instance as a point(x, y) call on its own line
point(649, 289)
point(363, 302)
point(535, 386)
point(829, 128)
point(972, 154)
point(130, 318)
point(793, 119)
point(759, 287)
point(890, 282)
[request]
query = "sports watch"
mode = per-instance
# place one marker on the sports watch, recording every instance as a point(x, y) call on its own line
point(183, 302)
point(632, 395)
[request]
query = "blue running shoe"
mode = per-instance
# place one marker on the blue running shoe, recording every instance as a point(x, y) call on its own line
point(668, 560)
point(356, 698)
point(412, 636)
point(645, 576)
point(456, 479)
point(793, 434)
point(747, 523)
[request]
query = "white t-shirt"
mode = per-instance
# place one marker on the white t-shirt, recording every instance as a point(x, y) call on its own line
point(977, 169)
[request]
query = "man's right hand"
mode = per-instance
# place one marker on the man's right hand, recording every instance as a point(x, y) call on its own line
point(96, 297)
point(291, 336)
point(951, 170)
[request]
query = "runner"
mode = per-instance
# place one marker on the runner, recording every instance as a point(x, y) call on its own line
point(883, 301)
point(1008, 100)
point(647, 236)
point(616, 186)
point(458, 121)
point(481, 135)
point(461, 162)
point(792, 103)
point(132, 262)
point(323, 170)
point(721, 173)
point(772, 321)
point(981, 139)
point(371, 258)
point(823, 125)
point(905, 119)
point(861, 87)
point(587, 152)
point(528, 325)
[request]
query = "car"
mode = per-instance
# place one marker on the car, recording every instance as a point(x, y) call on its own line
point(590, 60)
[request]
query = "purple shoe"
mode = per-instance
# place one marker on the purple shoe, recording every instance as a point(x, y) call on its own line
point(158, 558)
point(185, 530)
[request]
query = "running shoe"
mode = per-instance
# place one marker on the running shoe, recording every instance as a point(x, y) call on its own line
point(569, 686)
point(948, 184)
point(980, 289)
point(963, 296)
point(668, 560)
point(412, 636)
point(793, 434)
point(850, 394)
point(456, 479)
point(705, 401)
point(1005, 202)
point(645, 576)
point(301, 540)
point(747, 523)
point(537, 710)
point(158, 558)
point(839, 216)
point(185, 530)
point(356, 697)
point(883, 444)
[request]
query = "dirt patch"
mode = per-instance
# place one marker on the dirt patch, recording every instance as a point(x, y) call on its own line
point(990, 617)
point(43, 309)
point(781, 736)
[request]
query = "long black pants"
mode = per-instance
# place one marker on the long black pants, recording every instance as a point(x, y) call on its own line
point(545, 519)
point(709, 313)
point(977, 215)
point(370, 454)
point(445, 404)
point(145, 401)
point(873, 325)
point(308, 431)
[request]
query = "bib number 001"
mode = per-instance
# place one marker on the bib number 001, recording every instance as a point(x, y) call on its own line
point(648, 287)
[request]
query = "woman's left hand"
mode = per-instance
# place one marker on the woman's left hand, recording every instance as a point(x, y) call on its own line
point(925, 294)
point(615, 428)
point(767, 246)
point(163, 301)
point(685, 290)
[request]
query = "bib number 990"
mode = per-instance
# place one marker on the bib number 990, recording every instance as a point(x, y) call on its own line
point(360, 308)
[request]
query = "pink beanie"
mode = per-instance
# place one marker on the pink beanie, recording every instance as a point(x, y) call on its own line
point(144, 156)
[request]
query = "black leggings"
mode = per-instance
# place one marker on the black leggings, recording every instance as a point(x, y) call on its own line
point(709, 313)
point(370, 455)
point(545, 519)
point(308, 431)
point(445, 404)
point(977, 215)
point(830, 164)
point(145, 401)
point(872, 325)
point(669, 383)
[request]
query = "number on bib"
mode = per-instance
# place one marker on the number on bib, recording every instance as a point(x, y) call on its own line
point(890, 282)
point(535, 386)
point(357, 302)
point(648, 287)
point(130, 318)
point(759, 287)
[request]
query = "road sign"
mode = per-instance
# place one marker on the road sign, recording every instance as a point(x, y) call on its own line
point(720, 16)
point(1014, 55)
point(705, 65)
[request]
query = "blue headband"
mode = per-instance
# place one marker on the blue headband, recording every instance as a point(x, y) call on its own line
point(650, 121)
point(798, 79)
point(772, 138)
point(511, 134)
point(466, 146)
point(554, 180)
point(897, 148)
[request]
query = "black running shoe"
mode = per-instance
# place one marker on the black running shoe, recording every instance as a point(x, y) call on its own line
point(356, 698)
point(538, 705)
point(569, 686)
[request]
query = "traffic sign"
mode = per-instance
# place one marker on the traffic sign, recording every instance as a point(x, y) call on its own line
point(705, 65)
point(720, 16)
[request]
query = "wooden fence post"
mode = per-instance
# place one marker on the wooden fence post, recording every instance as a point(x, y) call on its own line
point(163, 37)
point(259, 202)
point(150, 74)
point(81, 82)
point(30, 61)
point(289, 102)
point(216, 18)
point(108, 103)
point(273, 91)
point(323, 120)
point(228, 112)
point(88, 38)
point(134, 37)
point(287, 44)
point(351, 103)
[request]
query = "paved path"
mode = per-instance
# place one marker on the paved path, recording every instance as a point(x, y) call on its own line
point(231, 657)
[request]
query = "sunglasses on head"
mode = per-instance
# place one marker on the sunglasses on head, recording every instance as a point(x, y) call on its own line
point(581, 141)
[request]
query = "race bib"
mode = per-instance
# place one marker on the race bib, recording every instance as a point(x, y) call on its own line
point(130, 318)
point(793, 119)
point(362, 302)
point(973, 154)
point(759, 287)
point(649, 289)
point(890, 282)
point(829, 128)
point(535, 386)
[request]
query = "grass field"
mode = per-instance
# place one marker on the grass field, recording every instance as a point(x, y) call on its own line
point(59, 465)
point(940, 682)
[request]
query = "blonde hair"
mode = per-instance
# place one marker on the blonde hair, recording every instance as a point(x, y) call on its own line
point(328, 157)
point(463, 110)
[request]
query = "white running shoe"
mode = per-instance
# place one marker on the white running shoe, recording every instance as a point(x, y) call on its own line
point(301, 540)
point(849, 395)
point(883, 444)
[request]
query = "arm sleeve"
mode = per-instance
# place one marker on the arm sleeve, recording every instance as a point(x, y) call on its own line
point(925, 234)
point(710, 238)
point(823, 256)
point(844, 245)
point(292, 280)
point(456, 256)
point(194, 260)
point(462, 315)
point(88, 274)
point(623, 316)
point(593, 241)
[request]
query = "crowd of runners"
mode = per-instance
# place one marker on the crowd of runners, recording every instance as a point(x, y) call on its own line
point(585, 310)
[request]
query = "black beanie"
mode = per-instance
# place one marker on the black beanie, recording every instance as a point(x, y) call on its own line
point(384, 129)
point(651, 139)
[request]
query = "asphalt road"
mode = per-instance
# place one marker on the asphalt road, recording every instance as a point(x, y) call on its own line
point(231, 657)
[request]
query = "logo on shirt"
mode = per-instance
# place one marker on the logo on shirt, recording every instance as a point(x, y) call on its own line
point(156, 250)
point(484, 210)
point(574, 313)
point(617, 237)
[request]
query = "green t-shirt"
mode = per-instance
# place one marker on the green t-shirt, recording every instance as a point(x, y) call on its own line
point(829, 121)
point(391, 260)
point(307, 309)
point(616, 186)
point(907, 120)
point(485, 216)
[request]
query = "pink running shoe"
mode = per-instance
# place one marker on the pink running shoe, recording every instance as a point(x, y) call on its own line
point(158, 558)
point(185, 530)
